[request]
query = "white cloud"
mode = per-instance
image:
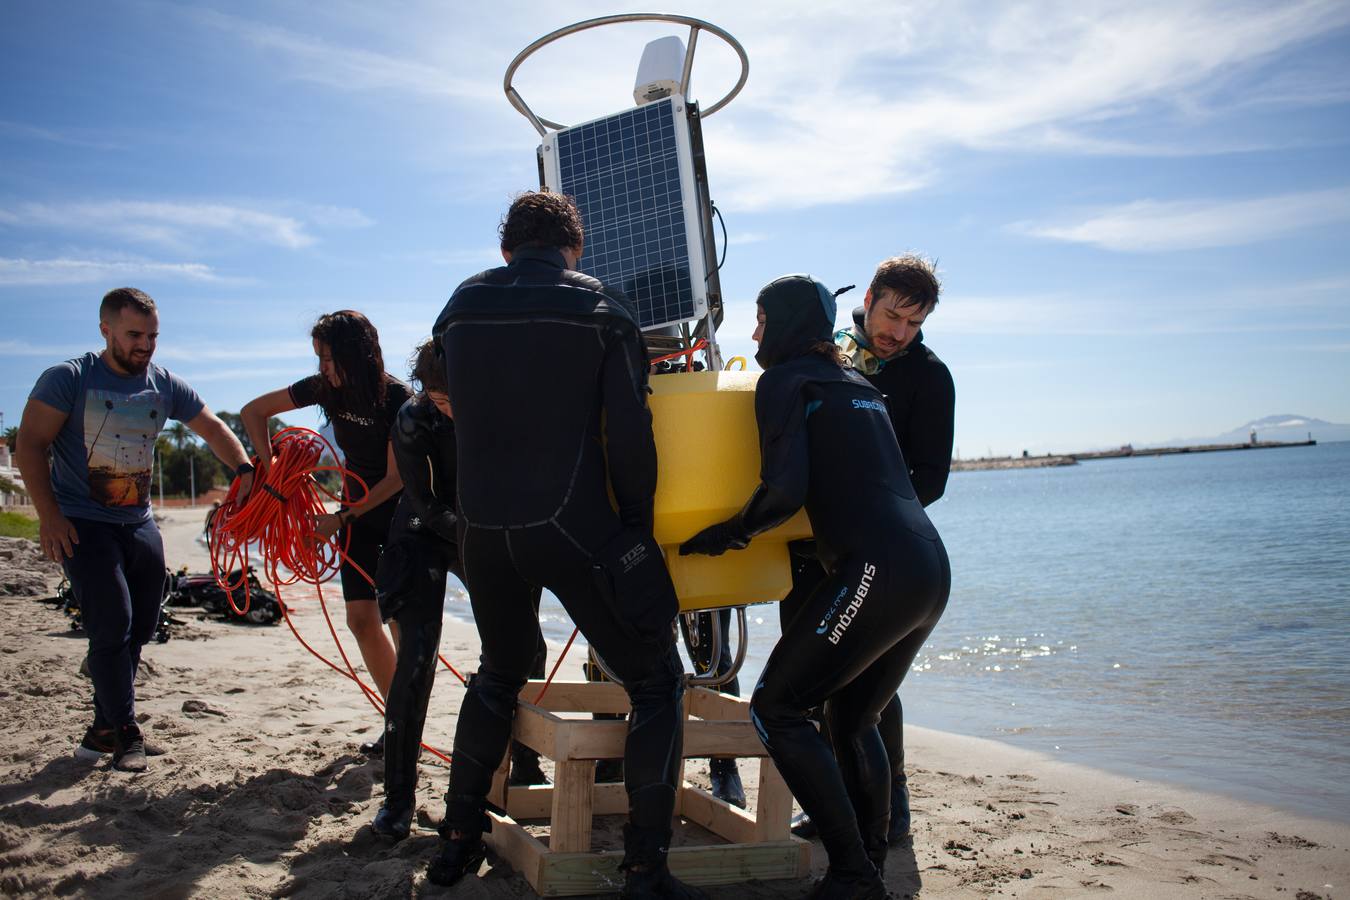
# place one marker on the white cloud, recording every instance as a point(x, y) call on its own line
point(33, 272)
point(858, 101)
point(167, 224)
point(1312, 306)
point(347, 67)
point(338, 217)
point(27, 348)
point(851, 101)
point(1150, 225)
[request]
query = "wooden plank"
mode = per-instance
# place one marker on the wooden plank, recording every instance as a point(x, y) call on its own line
point(497, 793)
point(706, 703)
point(577, 739)
point(718, 816)
point(738, 863)
point(537, 729)
point(536, 801)
point(573, 795)
point(578, 696)
point(722, 739)
point(524, 852)
point(773, 808)
point(583, 739)
point(573, 874)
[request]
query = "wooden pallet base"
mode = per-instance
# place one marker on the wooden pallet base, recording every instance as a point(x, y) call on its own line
point(759, 845)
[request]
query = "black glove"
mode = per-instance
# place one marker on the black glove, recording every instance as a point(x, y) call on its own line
point(716, 539)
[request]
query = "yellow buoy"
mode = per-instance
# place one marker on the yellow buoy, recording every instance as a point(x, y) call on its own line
point(707, 446)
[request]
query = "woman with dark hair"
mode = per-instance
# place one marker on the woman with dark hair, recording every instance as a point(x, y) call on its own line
point(826, 442)
point(361, 401)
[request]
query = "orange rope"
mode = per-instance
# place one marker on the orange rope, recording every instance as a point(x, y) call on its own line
point(279, 516)
point(688, 355)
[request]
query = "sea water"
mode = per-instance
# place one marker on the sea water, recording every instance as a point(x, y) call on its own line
point(1183, 618)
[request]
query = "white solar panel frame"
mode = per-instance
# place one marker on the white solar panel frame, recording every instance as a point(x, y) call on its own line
point(696, 253)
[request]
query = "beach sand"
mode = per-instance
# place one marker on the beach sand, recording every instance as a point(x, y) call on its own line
point(262, 792)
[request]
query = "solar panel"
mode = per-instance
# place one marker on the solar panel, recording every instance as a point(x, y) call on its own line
point(632, 177)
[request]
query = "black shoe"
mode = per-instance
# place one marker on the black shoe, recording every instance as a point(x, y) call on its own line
point(839, 887)
point(99, 742)
point(375, 748)
point(455, 859)
point(129, 749)
point(525, 767)
point(657, 882)
point(607, 770)
point(393, 820)
point(726, 782)
point(900, 818)
point(803, 827)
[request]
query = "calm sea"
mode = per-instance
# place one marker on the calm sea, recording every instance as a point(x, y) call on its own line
point(1182, 618)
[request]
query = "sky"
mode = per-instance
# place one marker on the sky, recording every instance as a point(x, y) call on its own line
point(1140, 211)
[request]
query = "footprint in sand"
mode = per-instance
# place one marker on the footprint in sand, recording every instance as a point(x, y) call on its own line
point(1175, 816)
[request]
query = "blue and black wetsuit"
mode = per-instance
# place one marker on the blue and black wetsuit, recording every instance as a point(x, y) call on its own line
point(827, 444)
point(541, 443)
point(921, 399)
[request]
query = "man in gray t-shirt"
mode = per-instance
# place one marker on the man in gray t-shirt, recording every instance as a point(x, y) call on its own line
point(97, 416)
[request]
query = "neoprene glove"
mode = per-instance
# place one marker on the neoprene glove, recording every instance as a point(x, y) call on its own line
point(716, 539)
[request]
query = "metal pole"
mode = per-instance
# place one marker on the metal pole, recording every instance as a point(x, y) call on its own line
point(688, 62)
point(192, 476)
point(159, 456)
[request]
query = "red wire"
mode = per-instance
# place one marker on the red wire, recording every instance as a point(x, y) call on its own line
point(279, 516)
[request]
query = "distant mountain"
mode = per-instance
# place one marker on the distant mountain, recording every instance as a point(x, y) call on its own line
point(1282, 427)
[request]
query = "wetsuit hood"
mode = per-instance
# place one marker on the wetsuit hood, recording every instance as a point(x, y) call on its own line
point(799, 313)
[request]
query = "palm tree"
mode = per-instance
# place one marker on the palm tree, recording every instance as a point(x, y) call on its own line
point(179, 434)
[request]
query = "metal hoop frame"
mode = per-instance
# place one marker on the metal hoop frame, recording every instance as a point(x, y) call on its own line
point(695, 26)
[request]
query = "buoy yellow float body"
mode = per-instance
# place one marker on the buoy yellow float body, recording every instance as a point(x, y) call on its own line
point(707, 447)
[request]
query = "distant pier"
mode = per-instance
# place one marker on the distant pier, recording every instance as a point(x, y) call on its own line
point(1199, 448)
point(1069, 459)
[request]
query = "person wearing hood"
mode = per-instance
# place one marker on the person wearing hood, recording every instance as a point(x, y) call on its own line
point(826, 443)
point(885, 345)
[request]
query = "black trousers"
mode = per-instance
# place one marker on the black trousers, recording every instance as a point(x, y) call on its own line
point(846, 649)
point(807, 574)
point(411, 591)
point(117, 573)
point(503, 571)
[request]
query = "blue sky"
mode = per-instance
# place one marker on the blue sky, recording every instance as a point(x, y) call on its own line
point(1141, 211)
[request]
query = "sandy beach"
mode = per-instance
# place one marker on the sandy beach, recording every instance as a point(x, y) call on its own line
point(262, 792)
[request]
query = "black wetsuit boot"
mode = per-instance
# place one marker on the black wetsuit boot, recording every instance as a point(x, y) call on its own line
point(462, 850)
point(646, 874)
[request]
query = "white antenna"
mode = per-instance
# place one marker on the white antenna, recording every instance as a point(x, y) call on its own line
point(660, 70)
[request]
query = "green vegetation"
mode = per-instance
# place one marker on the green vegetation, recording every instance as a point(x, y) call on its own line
point(14, 524)
point(9, 487)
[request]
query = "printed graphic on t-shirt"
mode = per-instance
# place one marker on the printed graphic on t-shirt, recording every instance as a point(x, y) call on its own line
point(119, 442)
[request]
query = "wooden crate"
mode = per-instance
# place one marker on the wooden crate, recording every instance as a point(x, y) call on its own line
point(759, 845)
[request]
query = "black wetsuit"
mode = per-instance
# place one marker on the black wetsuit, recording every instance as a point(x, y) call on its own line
point(363, 439)
point(921, 401)
point(423, 546)
point(826, 442)
point(535, 469)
